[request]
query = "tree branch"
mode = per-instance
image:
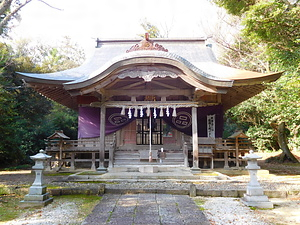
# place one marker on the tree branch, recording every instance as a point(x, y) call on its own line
point(5, 4)
point(11, 14)
point(50, 5)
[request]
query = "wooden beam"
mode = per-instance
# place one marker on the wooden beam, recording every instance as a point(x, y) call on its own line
point(164, 85)
point(151, 103)
point(160, 92)
point(133, 85)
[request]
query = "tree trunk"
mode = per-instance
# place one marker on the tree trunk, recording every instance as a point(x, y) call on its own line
point(282, 141)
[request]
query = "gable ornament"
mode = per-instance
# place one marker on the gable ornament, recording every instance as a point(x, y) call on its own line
point(147, 44)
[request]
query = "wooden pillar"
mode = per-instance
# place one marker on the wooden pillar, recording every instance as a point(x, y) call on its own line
point(101, 167)
point(237, 152)
point(195, 167)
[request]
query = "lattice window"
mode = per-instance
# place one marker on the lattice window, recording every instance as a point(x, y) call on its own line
point(143, 131)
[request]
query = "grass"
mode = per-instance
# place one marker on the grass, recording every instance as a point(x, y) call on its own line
point(9, 208)
point(50, 174)
point(10, 198)
point(90, 173)
point(20, 167)
point(200, 202)
point(51, 186)
point(4, 190)
point(85, 203)
point(9, 203)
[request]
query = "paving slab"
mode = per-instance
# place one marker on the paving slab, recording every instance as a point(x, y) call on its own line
point(146, 209)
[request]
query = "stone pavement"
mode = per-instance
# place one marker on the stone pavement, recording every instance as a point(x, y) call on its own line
point(150, 209)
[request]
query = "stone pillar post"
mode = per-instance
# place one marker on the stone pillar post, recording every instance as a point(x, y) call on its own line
point(186, 154)
point(93, 167)
point(101, 167)
point(72, 167)
point(111, 156)
point(37, 196)
point(226, 165)
point(255, 194)
point(195, 167)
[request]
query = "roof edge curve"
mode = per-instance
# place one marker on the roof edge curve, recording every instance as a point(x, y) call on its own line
point(135, 55)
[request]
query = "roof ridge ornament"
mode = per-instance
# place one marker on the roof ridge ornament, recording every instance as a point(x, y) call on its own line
point(147, 44)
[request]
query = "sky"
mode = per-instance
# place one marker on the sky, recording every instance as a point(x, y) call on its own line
point(85, 21)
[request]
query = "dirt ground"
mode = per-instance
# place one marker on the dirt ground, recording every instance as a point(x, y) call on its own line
point(280, 169)
point(286, 211)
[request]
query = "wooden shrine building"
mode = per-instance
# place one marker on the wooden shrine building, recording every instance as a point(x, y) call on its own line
point(150, 101)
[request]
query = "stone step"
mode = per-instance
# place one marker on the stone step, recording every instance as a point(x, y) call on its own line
point(124, 162)
point(127, 157)
point(137, 153)
point(132, 158)
point(161, 168)
point(171, 158)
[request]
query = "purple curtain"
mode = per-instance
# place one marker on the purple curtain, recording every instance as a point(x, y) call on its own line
point(183, 120)
point(89, 120)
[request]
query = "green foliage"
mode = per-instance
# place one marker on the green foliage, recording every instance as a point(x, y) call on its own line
point(276, 23)
point(19, 167)
point(200, 202)
point(62, 118)
point(235, 7)
point(263, 112)
point(8, 147)
point(270, 41)
point(27, 118)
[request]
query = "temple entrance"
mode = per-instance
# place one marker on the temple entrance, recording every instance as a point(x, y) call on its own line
point(143, 131)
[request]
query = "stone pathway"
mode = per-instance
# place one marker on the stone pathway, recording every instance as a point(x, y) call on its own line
point(150, 209)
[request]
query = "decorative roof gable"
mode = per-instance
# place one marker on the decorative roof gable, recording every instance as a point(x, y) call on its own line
point(147, 44)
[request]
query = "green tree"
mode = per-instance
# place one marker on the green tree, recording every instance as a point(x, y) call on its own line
point(62, 118)
point(9, 150)
point(236, 7)
point(28, 118)
point(269, 41)
point(8, 10)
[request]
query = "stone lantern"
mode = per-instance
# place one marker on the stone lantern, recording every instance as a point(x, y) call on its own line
point(255, 193)
point(37, 192)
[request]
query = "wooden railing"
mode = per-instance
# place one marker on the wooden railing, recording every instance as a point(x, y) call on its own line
point(70, 152)
point(225, 150)
point(231, 150)
point(66, 153)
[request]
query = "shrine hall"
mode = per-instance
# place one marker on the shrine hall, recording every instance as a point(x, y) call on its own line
point(149, 102)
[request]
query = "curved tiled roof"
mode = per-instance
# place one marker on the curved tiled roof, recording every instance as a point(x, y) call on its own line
point(111, 51)
point(149, 56)
point(191, 56)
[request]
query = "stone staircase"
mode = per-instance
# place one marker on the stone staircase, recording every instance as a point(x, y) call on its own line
point(131, 158)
